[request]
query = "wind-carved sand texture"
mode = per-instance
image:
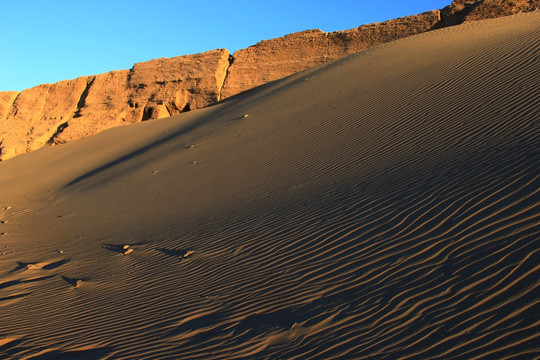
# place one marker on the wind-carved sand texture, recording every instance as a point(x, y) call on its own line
point(382, 206)
point(52, 114)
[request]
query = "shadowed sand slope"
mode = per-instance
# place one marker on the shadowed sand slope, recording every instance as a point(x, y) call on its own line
point(383, 206)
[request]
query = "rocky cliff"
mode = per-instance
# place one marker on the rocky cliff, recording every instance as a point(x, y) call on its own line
point(273, 59)
point(52, 114)
point(460, 11)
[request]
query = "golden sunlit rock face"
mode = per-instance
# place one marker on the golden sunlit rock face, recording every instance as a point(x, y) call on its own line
point(73, 109)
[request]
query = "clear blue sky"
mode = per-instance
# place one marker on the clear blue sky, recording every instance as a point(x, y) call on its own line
point(45, 41)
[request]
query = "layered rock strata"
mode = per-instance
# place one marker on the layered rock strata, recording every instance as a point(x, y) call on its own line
point(52, 114)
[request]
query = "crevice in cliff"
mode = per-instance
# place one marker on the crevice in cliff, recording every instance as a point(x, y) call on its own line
point(186, 108)
point(147, 113)
point(82, 101)
point(231, 61)
point(59, 129)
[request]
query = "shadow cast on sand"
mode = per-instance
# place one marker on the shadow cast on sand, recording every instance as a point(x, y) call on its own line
point(21, 266)
point(120, 249)
point(174, 252)
point(17, 282)
point(87, 354)
point(226, 105)
point(144, 149)
point(75, 282)
point(56, 264)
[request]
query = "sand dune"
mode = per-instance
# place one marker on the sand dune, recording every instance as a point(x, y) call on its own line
point(383, 206)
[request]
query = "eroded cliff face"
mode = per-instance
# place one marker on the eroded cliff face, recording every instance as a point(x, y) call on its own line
point(460, 11)
point(52, 114)
point(273, 59)
point(276, 58)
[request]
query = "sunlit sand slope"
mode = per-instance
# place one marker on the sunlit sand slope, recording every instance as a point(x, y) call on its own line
point(384, 206)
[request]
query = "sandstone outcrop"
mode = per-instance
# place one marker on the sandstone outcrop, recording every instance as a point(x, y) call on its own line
point(52, 114)
point(36, 114)
point(273, 59)
point(276, 58)
point(150, 90)
point(100, 104)
point(469, 10)
point(180, 84)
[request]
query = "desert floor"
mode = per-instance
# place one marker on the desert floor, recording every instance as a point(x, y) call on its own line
point(383, 206)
